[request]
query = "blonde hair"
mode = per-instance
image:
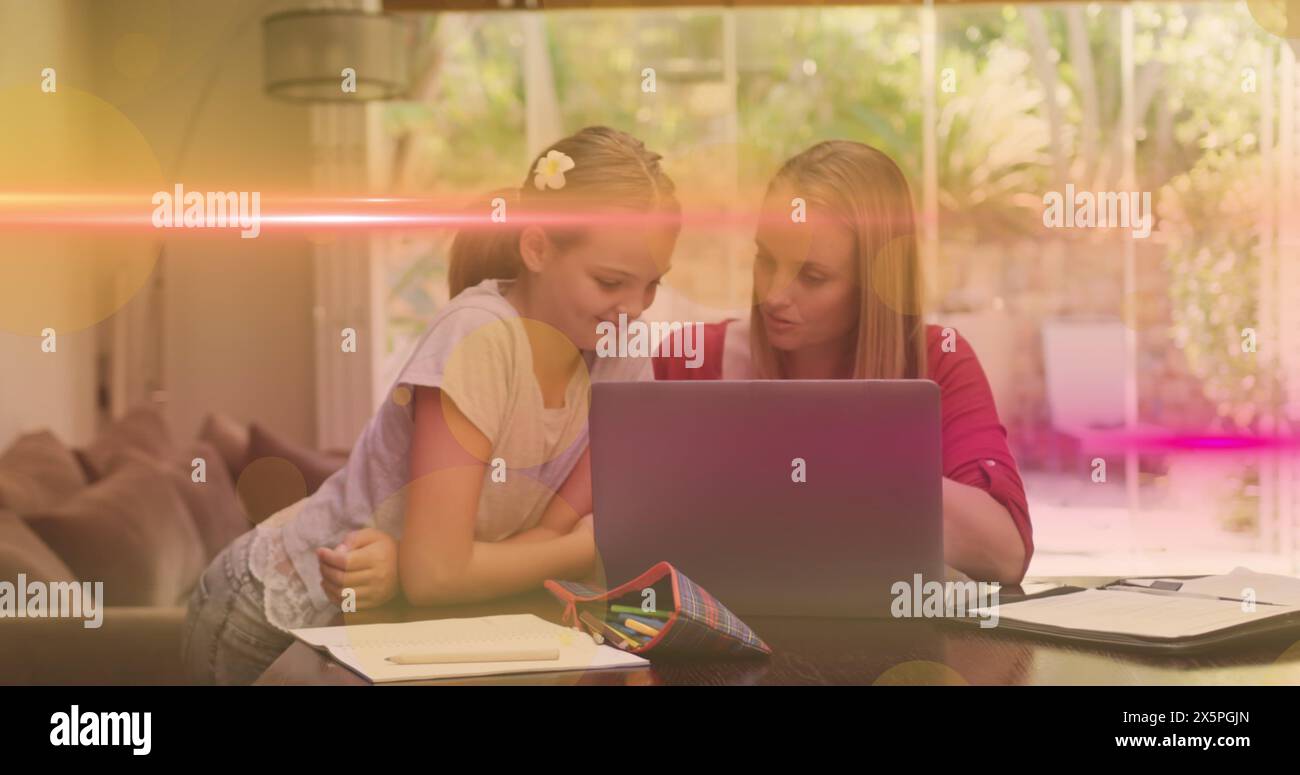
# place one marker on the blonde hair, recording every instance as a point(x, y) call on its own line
point(612, 170)
point(866, 191)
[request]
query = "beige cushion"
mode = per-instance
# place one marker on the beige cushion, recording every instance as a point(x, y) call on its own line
point(230, 438)
point(281, 472)
point(213, 506)
point(36, 472)
point(141, 429)
point(131, 531)
point(22, 551)
point(315, 466)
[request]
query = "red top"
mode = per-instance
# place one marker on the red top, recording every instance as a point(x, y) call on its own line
point(975, 450)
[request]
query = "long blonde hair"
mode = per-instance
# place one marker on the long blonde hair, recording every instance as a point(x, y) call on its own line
point(612, 170)
point(865, 190)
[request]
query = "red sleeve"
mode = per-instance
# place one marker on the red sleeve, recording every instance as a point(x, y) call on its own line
point(975, 450)
point(674, 367)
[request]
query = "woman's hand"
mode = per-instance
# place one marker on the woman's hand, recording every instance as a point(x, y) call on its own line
point(980, 538)
point(366, 562)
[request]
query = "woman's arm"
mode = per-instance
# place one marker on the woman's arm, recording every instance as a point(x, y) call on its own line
point(987, 531)
point(438, 559)
point(979, 537)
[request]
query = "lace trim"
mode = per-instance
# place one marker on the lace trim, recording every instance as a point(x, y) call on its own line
point(284, 597)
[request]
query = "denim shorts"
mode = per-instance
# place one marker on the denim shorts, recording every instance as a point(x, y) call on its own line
point(227, 639)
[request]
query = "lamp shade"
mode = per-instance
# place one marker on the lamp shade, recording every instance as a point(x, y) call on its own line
point(307, 52)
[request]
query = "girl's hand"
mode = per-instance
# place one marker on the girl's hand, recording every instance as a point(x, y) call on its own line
point(366, 562)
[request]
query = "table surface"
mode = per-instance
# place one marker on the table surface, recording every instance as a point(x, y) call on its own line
point(855, 651)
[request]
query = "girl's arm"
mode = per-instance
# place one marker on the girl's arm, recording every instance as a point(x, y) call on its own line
point(570, 504)
point(438, 559)
point(979, 537)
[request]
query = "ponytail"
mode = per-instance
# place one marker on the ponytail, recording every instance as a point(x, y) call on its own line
point(485, 253)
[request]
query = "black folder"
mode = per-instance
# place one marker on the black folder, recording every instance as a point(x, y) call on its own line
point(1282, 625)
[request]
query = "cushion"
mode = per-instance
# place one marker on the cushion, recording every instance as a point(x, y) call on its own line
point(132, 531)
point(230, 439)
point(140, 429)
point(213, 505)
point(36, 472)
point(315, 466)
point(22, 551)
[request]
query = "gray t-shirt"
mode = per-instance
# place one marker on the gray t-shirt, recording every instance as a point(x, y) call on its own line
point(476, 350)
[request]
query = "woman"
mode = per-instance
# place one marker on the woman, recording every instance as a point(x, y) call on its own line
point(837, 295)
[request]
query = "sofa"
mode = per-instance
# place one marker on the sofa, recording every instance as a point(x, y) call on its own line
point(143, 513)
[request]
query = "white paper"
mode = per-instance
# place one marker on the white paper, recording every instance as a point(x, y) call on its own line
point(1268, 587)
point(364, 648)
point(1135, 613)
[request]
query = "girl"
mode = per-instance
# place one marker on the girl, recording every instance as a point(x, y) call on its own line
point(472, 480)
point(839, 297)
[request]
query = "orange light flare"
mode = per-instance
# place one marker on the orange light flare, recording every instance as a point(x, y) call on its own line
point(41, 211)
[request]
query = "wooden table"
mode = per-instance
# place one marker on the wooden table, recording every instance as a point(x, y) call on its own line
point(846, 651)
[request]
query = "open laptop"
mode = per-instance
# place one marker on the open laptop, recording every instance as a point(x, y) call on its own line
point(703, 474)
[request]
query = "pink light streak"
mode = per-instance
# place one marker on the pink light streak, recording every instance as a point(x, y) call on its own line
point(1186, 441)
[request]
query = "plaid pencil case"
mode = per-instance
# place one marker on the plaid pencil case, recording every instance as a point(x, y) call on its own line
point(686, 621)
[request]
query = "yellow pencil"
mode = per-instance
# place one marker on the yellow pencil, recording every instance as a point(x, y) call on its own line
point(452, 656)
point(600, 626)
point(644, 629)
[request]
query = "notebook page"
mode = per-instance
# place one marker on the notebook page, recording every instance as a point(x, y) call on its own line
point(509, 630)
point(1136, 613)
point(365, 648)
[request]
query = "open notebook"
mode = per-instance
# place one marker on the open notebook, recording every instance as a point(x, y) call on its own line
point(364, 648)
point(1167, 615)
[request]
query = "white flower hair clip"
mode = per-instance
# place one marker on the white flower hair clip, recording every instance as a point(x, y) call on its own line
point(550, 170)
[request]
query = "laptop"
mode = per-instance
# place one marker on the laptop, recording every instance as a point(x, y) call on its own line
point(779, 497)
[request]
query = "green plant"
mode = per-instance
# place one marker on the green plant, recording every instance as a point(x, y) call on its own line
point(1210, 215)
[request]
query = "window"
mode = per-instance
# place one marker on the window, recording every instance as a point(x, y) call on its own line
point(1186, 104)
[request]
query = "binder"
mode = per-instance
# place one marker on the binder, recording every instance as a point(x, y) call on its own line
point(1181, 615)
